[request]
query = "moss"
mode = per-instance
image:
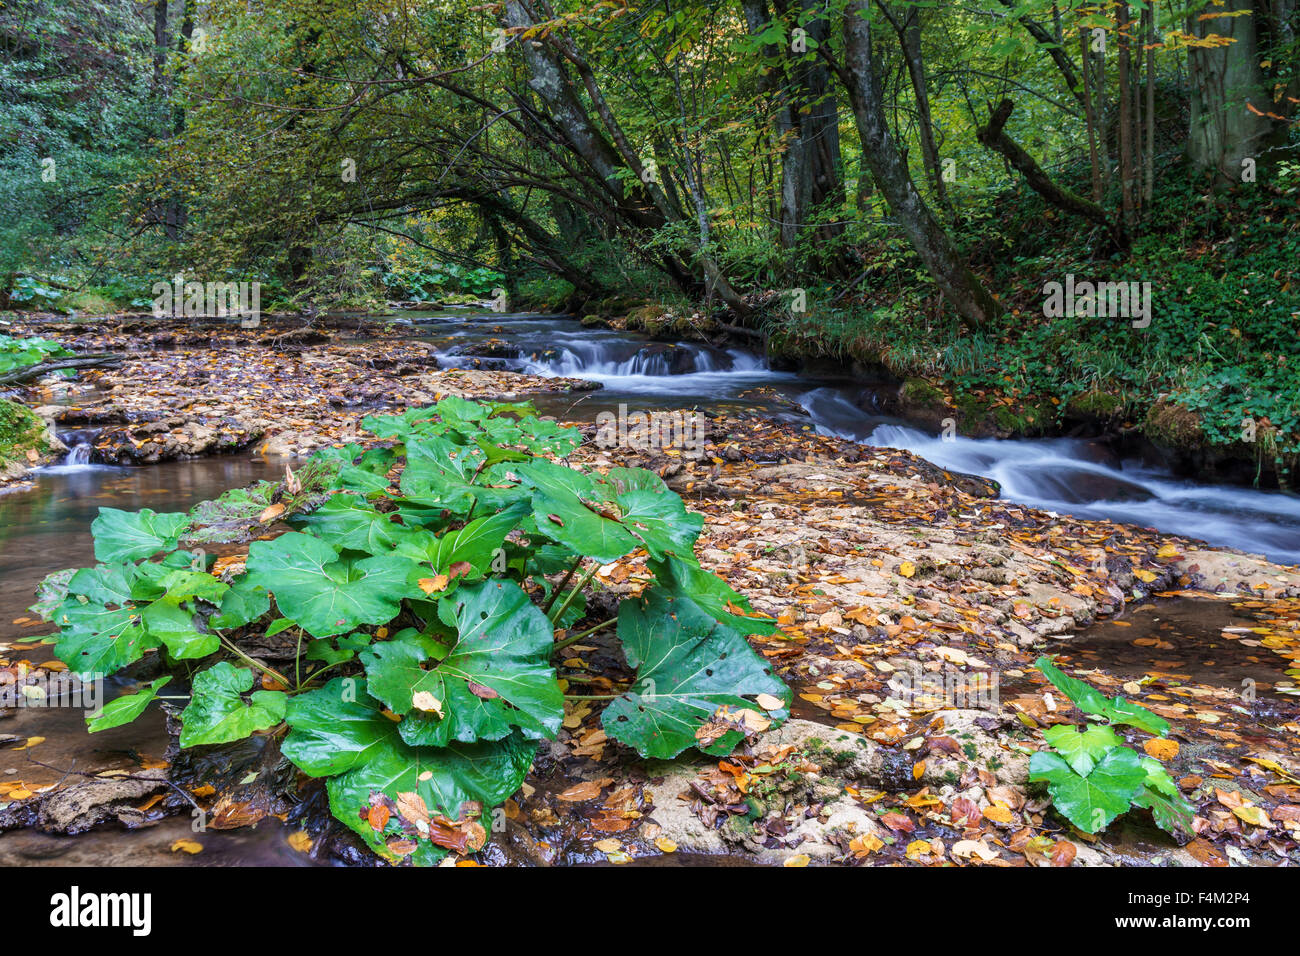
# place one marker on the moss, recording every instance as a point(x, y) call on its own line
point(648, 318)
point(20, 430)
point(1172, 425)
point(1022, 419)
point(1096, 403)
point(94, 303)
point(917, 391)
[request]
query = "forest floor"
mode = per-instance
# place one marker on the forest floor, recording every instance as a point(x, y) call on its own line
point(912, 606)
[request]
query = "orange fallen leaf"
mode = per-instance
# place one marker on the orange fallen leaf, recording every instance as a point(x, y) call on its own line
point(1160, 748)
point(431, 585)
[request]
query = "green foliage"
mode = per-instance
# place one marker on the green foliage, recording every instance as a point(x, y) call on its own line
point(421, 620)
point(1092, 776)
point(16, 353)
point(21, 430)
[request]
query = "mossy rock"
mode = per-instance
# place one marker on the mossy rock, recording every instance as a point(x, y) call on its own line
point(594, 321)
point(1170, 425)
point(1096, 405)
point(918, 392)
point(1024, 419)
point(21, 431)
point(649, 318)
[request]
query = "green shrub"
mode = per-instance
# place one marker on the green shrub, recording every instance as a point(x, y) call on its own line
point(423, 617)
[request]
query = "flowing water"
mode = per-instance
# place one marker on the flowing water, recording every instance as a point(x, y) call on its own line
point(1066, 476)
point(47, 526)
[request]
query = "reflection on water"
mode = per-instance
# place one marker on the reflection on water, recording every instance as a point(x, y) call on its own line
point(263, 845)
point(47, 527)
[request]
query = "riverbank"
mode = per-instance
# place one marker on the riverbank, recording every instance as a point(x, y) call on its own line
point(881, 569)
point(185, 389)
point(1206, 378)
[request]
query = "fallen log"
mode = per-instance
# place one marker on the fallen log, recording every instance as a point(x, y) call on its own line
point(90, 360)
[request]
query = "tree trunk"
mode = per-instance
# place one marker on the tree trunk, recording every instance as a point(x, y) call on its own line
point(644, 206)
point(1125, 65)
point(1228, 102)
point(1149, 156)
point(806, 122)
point(160, 44)
point(994, 137)
point(1090, 117)
point(881, 154)
point(910, 40)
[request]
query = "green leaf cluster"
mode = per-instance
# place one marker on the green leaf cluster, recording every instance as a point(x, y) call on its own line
point(1092, 776)
point(418, 590)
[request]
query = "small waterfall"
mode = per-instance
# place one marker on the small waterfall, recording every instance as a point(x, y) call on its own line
point(81, 449)
point(79, 454)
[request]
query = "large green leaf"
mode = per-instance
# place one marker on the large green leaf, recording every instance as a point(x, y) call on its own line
point(688, 665)
point(496, 677)
point(1082, 748)
point(1091, 701)
point(1091, 802)
point(185, 583)
point(335, 728)
point(661, 521)
point(576, 511)
point(445, 779)
point(1162, 797)
point(349, 521)
point(100, 631)
point(217, 712)
point(242, 604)
point(456, 477)
point(475, 543)
point(171, 621)
point(128, 536)
point(327, 594)
point(125, 709)
point(683, 577)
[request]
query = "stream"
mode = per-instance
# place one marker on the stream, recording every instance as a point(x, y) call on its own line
point(47, 527)
point(1061, 475)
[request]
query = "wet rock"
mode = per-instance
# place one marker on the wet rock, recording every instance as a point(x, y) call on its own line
point(176, 436)
point(492, 348)
point(82, 806)
point(674, 815)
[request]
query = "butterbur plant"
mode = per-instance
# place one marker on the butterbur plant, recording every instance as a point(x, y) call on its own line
point(1092, 776)
point(419, 622)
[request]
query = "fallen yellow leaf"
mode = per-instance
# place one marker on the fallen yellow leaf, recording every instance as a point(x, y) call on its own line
point(436, 583)
point(1160, 748)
